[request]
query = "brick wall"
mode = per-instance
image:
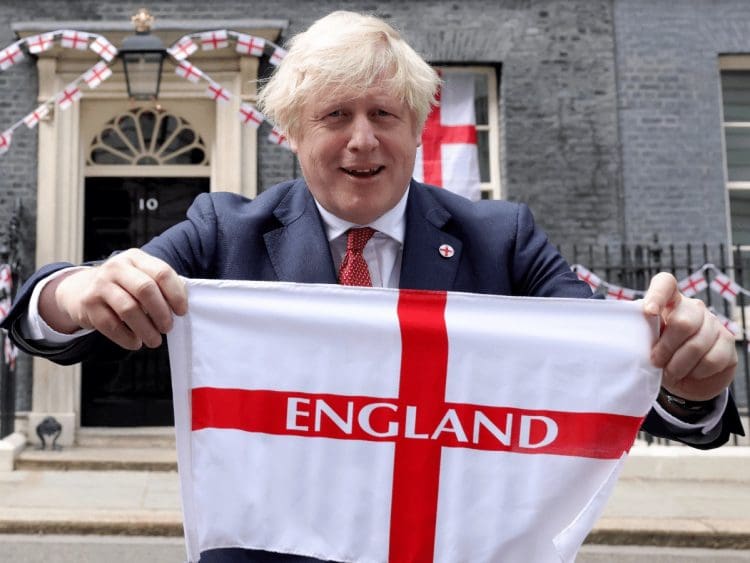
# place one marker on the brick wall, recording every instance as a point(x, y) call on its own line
point(670, 115)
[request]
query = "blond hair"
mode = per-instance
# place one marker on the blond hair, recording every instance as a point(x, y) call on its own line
point(345, 52)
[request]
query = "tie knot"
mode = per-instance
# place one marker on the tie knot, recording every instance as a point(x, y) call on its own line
point(357, 238)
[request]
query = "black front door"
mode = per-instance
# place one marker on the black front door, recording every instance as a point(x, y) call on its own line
point(121, 213)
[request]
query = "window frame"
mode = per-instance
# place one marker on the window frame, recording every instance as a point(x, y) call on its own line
point(493, 188)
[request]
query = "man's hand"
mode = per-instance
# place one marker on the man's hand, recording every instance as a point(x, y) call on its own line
point(696, 352)
point(129, 298)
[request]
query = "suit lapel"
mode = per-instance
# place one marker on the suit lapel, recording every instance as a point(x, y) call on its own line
point(423, 266)
point(299, 249)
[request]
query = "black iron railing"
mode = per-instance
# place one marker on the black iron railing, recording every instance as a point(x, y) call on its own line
point(633, 266)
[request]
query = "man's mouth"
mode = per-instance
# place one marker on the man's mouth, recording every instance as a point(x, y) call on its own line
point(363, 172)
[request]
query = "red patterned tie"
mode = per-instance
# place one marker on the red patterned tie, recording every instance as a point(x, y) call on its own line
point(354, 269)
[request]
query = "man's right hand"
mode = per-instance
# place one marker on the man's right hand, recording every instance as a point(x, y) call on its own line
point(129, 298)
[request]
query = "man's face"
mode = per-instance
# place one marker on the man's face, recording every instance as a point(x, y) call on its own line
point(357, 154)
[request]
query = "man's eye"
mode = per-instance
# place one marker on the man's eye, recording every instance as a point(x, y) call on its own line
point(335, 113)
point(383, 113)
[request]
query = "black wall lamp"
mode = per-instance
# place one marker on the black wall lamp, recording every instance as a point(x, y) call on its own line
point(142, 57)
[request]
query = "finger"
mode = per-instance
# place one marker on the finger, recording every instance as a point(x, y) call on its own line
point(682, 323)
point(170, 284)
point(104, 319)
point(129, 311)
point(662, 294)
point(721, 357)
point(702, 389)
point(141, 287)
point(694, 350)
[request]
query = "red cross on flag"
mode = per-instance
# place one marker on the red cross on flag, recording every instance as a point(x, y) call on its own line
point(333, 421)
point(104, 49)
point(69, 95)
point(693, 284)
point(728, 324)
point(182, 49)
point(250, 45)
point(75, 40)
point(217, 93)
point(620, 293)
point(584, 274)
point(249, 115)
point(188, 71)
point(10, 352)
point(10, 56)
point(277, 56)
point(211, 40)
point(725, 287)
point(5, 139)
point(39, 43)
point(278, 138)
point(448, 156)
point(35, 116)
point(97, 74)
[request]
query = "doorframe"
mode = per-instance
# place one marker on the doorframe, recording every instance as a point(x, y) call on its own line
point(61, 165)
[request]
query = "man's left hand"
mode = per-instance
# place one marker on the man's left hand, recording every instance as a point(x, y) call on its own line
point(695, 351)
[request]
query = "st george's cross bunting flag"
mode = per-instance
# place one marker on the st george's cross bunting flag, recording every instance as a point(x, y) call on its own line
point(448, 156)
point(361, 424)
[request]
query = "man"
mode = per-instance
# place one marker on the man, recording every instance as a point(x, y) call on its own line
point(353, 97)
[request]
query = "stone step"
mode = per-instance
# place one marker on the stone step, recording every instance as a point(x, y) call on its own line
point(140, 437)
point(98, 459)
point(105, 449)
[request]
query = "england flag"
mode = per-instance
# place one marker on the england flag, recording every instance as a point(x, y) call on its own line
point(373, 425)
point(449, 156)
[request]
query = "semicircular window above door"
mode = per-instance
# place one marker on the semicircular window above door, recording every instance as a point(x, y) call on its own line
point(147, 136)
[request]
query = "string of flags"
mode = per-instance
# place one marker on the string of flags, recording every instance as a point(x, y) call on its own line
point(9, 352)
point(691, 285)
point(179, 52)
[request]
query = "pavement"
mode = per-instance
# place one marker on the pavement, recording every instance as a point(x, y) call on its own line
point(668, 498)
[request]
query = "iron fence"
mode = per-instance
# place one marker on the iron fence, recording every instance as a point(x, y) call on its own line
point(633, 266)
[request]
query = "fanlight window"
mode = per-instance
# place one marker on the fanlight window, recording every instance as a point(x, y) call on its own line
point(146, 136)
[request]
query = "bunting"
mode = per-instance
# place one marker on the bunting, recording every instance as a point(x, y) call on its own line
point(689, 286)
point(10, 352)
point(183, 48)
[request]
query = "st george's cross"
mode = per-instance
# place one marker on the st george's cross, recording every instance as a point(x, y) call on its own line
point(183, 49)
point(69, 95)
point(40, 43)
point(620, 293)
point(217, 93)
point(97, 74)
point(75, 39)
point(104, 49)
point(32, 119)
point(391, 428)
point(448, 156)
point(693, 284)
point(725, 286)
point(211, 40)
point(10, 56)
point(188, 71)
point(586, 275)
point(250, 45)
point(249, 115)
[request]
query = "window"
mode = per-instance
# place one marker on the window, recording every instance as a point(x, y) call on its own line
point(488, 125)
point(144, 136)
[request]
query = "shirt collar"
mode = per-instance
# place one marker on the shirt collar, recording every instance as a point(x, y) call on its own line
point(391, 223)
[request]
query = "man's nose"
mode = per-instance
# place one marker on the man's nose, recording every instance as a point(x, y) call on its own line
point(362, 136)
